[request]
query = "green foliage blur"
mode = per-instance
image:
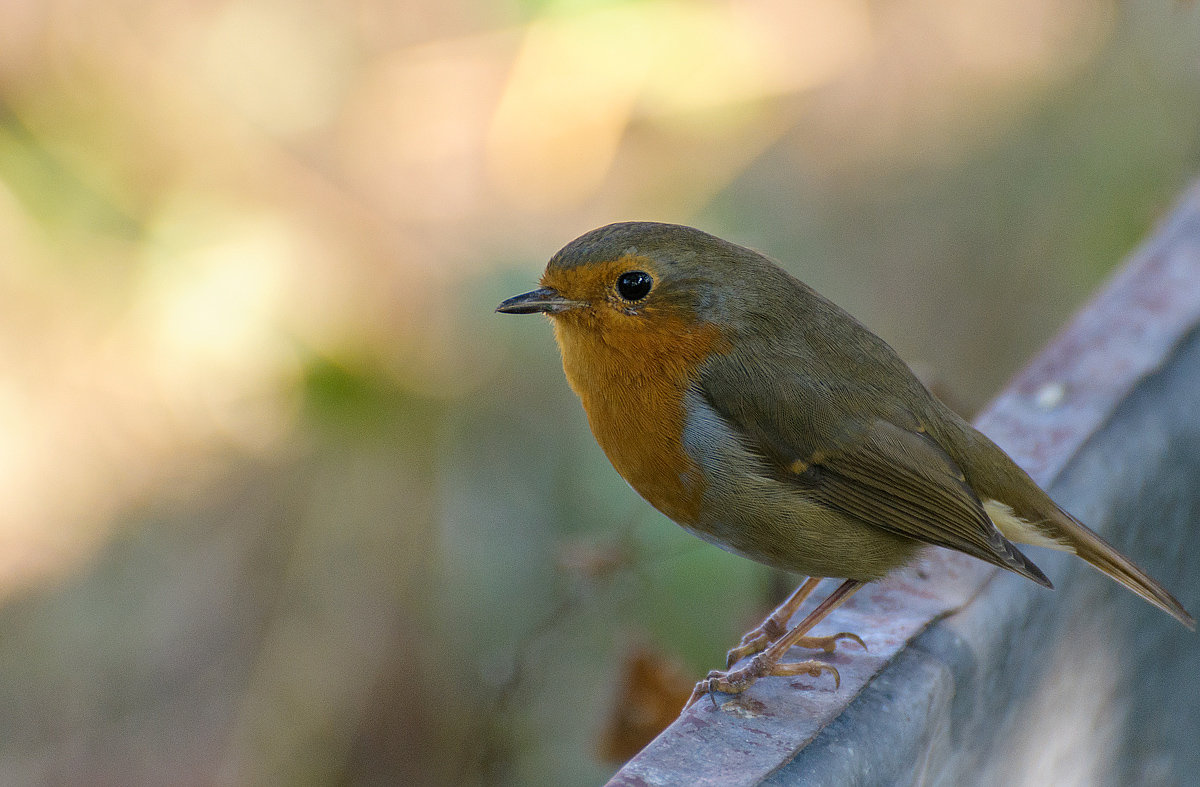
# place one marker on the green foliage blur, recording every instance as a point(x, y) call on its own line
point(285, 502)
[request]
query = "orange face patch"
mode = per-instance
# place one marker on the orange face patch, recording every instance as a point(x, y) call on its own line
point(631, 366)
point(595, 283)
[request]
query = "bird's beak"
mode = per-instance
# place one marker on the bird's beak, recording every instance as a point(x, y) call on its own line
point(546, 300)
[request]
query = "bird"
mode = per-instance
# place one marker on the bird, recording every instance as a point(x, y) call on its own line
point(766, 420)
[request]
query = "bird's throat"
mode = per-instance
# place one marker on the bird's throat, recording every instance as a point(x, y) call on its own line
point(632, 387)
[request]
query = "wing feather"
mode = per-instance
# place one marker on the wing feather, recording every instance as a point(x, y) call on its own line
point(879, 467)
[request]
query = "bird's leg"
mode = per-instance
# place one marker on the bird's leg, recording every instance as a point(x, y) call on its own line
point(775, 626)
point(768, 662)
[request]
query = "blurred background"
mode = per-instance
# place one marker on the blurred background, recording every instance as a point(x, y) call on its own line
point(283, 501)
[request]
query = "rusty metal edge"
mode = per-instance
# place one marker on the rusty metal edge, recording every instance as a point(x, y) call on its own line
point(1042, 418)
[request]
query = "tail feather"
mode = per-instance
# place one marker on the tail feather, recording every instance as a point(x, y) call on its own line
point(1091, 547)
point(1025, 514)
point(1067, 533)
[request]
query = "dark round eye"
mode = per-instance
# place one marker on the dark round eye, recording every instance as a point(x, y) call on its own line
point(634, 285)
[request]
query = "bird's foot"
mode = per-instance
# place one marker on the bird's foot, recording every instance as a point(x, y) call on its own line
point(756, 640)
point(768, 662)
point(761, 666)
point(771, 630)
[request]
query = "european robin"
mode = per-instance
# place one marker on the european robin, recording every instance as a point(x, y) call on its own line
point(768, 421)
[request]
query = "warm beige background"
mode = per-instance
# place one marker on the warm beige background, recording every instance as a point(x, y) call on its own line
point(282, 501)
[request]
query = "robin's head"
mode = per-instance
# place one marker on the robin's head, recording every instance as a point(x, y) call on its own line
point(637, 276)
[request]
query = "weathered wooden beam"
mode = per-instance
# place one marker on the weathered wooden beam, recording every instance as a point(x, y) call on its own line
point(978, 676)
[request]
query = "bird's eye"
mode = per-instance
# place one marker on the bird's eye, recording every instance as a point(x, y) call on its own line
point(634, 285)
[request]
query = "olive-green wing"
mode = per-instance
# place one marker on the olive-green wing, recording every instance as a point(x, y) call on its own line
point(854, 459)
point(902, 481)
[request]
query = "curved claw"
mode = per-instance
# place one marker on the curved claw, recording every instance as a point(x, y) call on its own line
point(829, 644)
point(760, 639)
point(707, 686)
point(812, 668)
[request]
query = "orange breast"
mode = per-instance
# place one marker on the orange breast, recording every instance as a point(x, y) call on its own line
point(632, 387)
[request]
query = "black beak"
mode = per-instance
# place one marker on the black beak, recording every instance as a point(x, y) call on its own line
point(545, 300)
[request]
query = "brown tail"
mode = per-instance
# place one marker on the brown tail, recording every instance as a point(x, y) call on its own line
point(1091, 547)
